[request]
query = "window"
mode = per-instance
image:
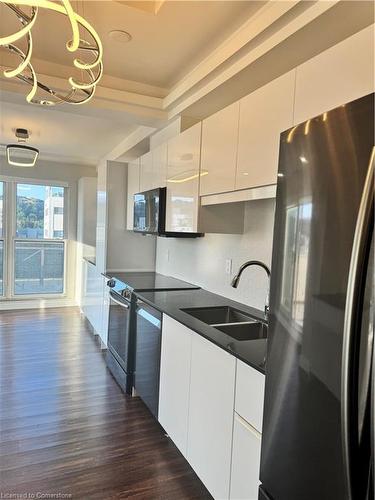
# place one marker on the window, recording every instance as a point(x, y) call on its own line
point(1, 209)
point(38, 264)
point(1, 239)
point(1, 267)
point(36, 216)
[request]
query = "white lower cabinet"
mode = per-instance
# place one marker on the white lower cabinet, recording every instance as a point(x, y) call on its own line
point(245, 461)
point(93, 305)
point(197, 409)
point(175, 381)
point(212, 384)
point(249, 394)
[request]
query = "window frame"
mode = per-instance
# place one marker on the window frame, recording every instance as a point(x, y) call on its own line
point(3, 238)
point(10, 223)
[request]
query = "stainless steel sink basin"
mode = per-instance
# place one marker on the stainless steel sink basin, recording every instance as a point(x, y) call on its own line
point(245, 331)
point(218, 315)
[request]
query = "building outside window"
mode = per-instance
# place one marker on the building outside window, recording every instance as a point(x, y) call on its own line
point(34, 240)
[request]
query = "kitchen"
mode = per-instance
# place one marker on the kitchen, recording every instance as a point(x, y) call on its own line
point(214, 279)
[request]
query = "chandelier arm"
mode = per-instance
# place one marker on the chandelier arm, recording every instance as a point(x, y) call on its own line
point(85, 24)
point(73, 46)
point(86, 89)
point(23, 31)
point(11, 73)
point(19, 12)
point(94, 80)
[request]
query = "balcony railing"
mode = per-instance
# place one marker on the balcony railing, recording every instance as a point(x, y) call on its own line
point(39, 267)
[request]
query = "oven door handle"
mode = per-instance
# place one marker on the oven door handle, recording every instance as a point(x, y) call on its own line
point(122, 304)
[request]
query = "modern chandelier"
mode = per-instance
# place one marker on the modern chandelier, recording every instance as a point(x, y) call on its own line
point(79, 91)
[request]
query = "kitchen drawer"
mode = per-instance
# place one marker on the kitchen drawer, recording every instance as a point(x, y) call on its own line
point(245, 461)
point(249, 394)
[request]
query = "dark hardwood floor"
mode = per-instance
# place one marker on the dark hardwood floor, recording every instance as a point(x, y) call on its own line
point(65, 426)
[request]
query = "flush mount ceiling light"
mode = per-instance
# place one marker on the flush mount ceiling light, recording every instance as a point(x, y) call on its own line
point(80, 91)
point(20, 155)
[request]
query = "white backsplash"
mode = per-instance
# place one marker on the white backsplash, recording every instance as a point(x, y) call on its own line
point(202, 261)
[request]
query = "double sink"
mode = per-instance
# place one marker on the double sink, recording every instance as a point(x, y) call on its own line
point(236, 324)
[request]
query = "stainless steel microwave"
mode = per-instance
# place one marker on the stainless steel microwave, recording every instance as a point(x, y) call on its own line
point(149, 211)
point(150, 214)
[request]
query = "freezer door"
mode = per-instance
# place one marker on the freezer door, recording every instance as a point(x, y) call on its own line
point(322, 171)
point(358, 339)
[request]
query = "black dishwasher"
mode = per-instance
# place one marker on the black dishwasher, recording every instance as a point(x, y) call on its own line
point(148, 348)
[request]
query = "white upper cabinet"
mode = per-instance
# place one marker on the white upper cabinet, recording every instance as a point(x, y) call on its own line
point(159, 166)
point(153, 168)
point(133, 188)
point(338, 75)
point(175, 381)
point(183, 181)
point(210, 427)
point(146, 176)
point(264, 114)
point(219, 151)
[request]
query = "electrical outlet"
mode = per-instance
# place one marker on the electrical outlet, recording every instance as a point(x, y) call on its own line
point(228, 266)
point(168, 254)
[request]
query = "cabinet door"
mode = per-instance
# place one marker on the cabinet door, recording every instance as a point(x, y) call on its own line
point(211, 415)
point(159, 166)
point(264, 114)
point(84, 288)
point(94, 294)
point(105, 311)
point(175, 381)
point(183, 181)
point(146, 177)
point(219, 151)
point(245, 461)
point(250, 394)
point(338, 75)
point(133, 188)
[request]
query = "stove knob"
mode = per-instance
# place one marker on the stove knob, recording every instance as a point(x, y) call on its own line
point(111, 283)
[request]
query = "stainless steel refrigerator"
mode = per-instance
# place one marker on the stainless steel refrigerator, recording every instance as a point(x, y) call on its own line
point(318, 428)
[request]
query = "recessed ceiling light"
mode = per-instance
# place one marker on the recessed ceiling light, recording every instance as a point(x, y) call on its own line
point(120, 36)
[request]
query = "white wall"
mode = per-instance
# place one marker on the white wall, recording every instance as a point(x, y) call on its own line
point(86, 228)
point(125, 249)
point(116, 248)
point(60, 172)
point(202, 261)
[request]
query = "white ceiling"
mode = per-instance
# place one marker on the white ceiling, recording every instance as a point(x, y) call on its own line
point(72, 137)
point(164, 46)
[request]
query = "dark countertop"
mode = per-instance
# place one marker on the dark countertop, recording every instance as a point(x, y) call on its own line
point(252, 352)
point(148, 280)
point(91, 260)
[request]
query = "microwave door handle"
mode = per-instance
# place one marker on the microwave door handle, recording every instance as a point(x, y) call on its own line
point(354, 290)
point(122, 304)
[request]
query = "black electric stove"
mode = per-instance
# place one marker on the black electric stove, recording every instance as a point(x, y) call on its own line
point(121, 354)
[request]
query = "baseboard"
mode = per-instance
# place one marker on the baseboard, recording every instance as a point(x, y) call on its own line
point(7, 305)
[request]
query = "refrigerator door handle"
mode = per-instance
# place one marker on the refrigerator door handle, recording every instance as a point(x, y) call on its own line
point(359, 249)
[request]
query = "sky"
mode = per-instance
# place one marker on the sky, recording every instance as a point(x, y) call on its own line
point(32, 191)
